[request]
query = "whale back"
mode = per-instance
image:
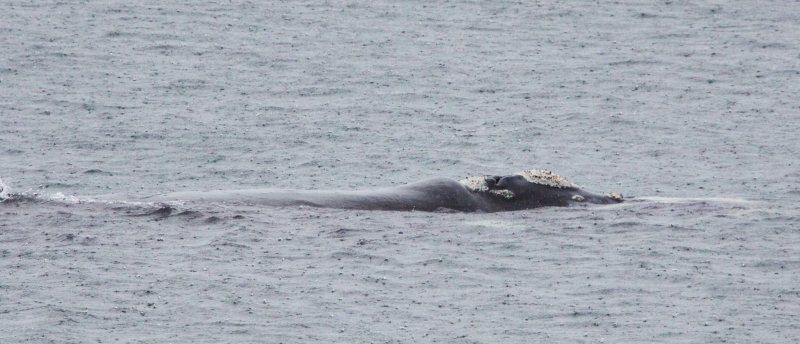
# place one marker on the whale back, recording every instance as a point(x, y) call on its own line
point(429, 195)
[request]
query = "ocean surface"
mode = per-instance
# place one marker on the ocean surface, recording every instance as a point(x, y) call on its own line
point(689, 109)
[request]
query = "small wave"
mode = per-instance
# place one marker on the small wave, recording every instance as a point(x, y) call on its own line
point(162, 211)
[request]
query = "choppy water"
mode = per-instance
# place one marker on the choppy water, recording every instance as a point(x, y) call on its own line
point(691, 108)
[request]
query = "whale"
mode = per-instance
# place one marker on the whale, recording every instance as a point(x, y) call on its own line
point(528, 189)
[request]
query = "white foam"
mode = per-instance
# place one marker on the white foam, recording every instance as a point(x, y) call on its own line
point(5, 191)
point(60, 197)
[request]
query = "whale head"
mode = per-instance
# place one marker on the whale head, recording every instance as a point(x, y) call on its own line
point(517, 185)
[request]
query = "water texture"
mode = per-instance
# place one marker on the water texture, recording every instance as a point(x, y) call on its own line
point(689, 109)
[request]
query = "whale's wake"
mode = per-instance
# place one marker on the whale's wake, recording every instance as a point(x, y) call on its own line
point(133, 208)
point(686, 200)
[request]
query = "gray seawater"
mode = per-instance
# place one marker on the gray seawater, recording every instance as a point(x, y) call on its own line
point(688, 108)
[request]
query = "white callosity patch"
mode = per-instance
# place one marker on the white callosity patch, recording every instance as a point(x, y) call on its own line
point(478, 184)
point(475, 183)
point(503, 193)
point(547, 177)
point(615, 196)
point(537, 176)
